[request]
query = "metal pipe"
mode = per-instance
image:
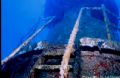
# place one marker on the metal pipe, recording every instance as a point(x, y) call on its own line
point(26, 42)
point(69, 48)
point(106, 22)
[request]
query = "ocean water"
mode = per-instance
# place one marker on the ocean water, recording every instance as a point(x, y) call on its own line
point(21, 18)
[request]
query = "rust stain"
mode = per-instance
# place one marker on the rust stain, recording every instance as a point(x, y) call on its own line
point(104, 65)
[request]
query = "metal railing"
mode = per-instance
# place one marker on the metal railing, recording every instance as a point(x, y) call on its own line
point(69, 48)
point(25, 43)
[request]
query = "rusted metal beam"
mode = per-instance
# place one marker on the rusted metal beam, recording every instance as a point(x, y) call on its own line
point(26, 42)
point(50, 67)
point(92, 8)
point(55, 52)
point(69, 48)
point(106, 20)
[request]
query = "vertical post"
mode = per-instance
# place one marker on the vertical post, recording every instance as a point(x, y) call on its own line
point(69, 49)
point(106, 20)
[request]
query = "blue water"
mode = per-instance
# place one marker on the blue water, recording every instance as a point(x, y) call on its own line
point(20, 18)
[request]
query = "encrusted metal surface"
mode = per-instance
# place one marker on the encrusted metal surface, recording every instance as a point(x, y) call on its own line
point(91, 42)
point(94, 63)
point(50, 67)
point(87, 61)
point(54, 52)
